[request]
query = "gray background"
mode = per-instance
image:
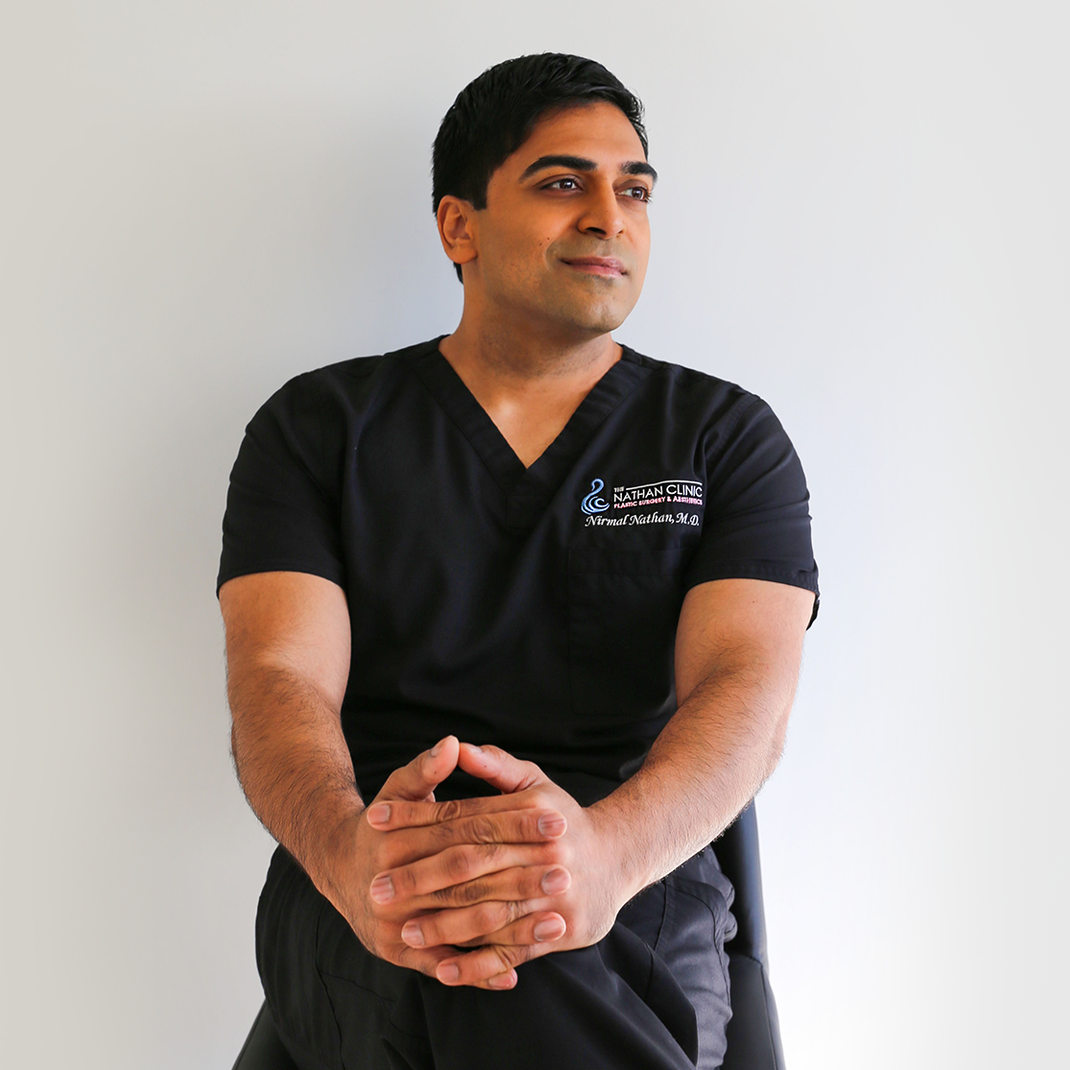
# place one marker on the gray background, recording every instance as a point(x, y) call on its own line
point(862, 217)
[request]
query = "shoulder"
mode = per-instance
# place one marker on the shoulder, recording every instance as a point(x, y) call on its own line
point(339, 393)
point(715, 404)
point(318, 414)
point(351, 380)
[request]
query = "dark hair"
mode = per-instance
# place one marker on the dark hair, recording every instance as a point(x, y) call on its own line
point(495, 114)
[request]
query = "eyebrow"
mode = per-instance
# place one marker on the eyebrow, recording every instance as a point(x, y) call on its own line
point(581, 163)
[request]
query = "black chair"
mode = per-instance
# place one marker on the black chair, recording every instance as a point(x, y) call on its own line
point(263, 1050)
point(754, 1031)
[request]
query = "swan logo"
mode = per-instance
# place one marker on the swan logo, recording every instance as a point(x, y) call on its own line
point(592, 503)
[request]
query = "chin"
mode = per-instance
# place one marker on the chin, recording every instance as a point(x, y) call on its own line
point(585, 315)
point(605, 319)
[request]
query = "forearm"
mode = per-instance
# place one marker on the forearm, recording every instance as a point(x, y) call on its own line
point(294, 767)
point(707, 763)
point(288, 662)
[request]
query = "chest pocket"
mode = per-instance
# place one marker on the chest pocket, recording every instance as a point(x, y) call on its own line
point(623, 610)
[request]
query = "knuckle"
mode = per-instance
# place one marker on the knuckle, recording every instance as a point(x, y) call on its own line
point(441, 835)
point(481, 829)
point(464, 894)
point(489, 852)
point(406, 880)
point(492, 916)
point(474, 892)
point(458, 863)
point(507, 916)
point(450, 810)
point(511, 955)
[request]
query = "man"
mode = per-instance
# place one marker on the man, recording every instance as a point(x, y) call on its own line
point(521, 535)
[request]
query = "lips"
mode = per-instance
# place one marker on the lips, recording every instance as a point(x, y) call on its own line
point(597, 265)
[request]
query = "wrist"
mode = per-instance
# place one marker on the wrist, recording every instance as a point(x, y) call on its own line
point(335, 850)
point(623, 843)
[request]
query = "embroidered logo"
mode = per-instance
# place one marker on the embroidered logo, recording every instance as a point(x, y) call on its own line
point(681, 502)
point(593, 503)
point(675, 491)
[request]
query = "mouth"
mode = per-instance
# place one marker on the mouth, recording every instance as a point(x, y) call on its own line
point(606, 266)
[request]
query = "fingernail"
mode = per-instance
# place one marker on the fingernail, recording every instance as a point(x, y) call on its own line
point(549, 930)
point(551, 824)
point(378, 813)
point(436, 750)
point(557, 880)
point(382, 889)
point(447, 972)
point(411, 934)
point(503, 980)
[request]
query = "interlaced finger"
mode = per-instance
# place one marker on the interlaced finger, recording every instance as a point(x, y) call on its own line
point(387, 813)
point(458, 876)
point(406, 846)
point(491, 967)
point(531, 921)
point(538, 926)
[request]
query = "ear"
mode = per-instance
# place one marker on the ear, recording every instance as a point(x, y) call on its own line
point(457, 229)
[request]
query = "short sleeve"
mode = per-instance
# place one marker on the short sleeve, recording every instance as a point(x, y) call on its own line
point(757, 520)
point(283, 507)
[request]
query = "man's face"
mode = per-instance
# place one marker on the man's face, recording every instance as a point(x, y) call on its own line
point(564, 239)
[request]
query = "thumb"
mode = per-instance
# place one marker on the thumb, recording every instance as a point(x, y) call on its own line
point(418, 779)
point(499, 768)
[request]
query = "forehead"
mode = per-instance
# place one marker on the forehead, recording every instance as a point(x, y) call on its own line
point(599, 131)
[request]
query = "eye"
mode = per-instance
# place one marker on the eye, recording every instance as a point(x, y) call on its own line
point(566, 184)
point(638, 193)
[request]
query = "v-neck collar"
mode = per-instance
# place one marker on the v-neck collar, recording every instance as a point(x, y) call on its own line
point(527, 489)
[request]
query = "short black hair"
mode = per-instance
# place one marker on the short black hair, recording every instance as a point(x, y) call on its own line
point(495, 114)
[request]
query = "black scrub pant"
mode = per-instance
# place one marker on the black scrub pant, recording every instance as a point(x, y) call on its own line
point(652, 995)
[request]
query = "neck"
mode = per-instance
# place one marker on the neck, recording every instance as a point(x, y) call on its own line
point(528, 384)
point(515, 359)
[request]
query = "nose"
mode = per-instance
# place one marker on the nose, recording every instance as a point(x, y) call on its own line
point(602, 215)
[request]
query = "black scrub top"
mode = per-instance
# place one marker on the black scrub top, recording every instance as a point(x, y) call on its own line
point(534, 608)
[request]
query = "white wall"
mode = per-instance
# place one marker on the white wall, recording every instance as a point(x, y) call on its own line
point(862, 216)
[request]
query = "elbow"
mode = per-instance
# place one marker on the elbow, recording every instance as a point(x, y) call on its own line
point(780, 736)
point(778, 740)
